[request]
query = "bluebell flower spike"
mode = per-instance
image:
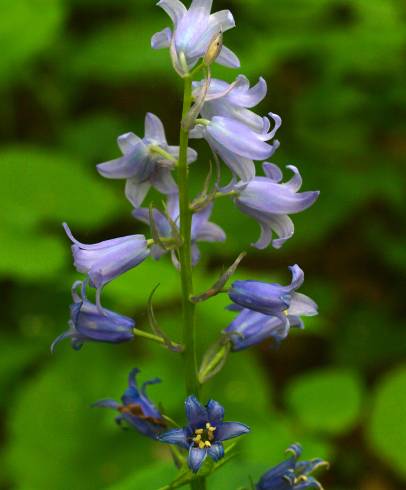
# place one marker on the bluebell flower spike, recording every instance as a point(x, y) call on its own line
point(205, 432)
point(136, 409)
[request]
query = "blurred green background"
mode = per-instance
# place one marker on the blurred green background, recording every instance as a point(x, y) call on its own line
point(74, 74)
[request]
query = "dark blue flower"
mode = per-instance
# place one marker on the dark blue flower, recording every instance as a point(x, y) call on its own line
point(194, 29)
point(291, 474)
point(136, 408)
point(202, 229)
point(142, 165)
point(89, 322)
point(204, 434)
point(104, 261)
point(267, 310)
point(269, 202)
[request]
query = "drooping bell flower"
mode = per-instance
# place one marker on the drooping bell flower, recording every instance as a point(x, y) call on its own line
point(252, 328)
point(273, 299)
point(233, 100)
point(269, 201)
point(292, 474)
point(237, 143)
point(104, 261)
point(136, 409)
point(194, 30)
point(143, 164)
point(202, 229)
point(90, 323)
point(205, 432)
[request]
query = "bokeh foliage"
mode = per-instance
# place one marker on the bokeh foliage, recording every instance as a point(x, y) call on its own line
point(76, 73)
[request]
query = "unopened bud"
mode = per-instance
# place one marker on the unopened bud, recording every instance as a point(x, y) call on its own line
point(215, 46)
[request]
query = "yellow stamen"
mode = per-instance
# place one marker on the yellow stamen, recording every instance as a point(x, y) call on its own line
point(197, 438)
point(207, 444)
point(201, 445)
point(199, 431)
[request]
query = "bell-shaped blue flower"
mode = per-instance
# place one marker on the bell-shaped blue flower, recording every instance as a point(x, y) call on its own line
point(104, 261)
point(291, 474)
point(271, 299)
point(239, 144)
point(136, 409)
point(205, 432)
point(202, 229)
point(194, 30)
point(142, 165)
point(270, 202)
point(89, 322)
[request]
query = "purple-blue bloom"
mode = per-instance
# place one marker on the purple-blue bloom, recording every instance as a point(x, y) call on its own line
point(274, 300)
point(237, 143)
point(136, 408)
point(291, 474)
point(194, 29)
point(89, 322)
point(202, 229)
point(269, 202)
point(205, 432)
point(104, 261)
point(142, 165)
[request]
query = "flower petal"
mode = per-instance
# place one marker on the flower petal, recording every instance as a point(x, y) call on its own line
point(161, 39)
point(196, 458)
point(106, 404)
point(174, 8)
point(136, 191)
point(216, 451)
point(127, 142)
point(215, 412)
point(228, 58)
point(154, 129)
point(229, 430)
point(175, 436)
point(302, 305)
point(196, 413)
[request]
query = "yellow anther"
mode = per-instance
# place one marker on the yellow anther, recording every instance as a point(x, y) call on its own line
point(201, 445)
point(207, 444)
point(301, 478)
point(209, 427)
point(197, 438)
point(199, 431)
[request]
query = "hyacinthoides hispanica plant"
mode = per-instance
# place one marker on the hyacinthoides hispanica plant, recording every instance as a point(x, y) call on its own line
point(221, 114)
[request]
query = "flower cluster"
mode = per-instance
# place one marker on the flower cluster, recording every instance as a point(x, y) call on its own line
point(222, 114)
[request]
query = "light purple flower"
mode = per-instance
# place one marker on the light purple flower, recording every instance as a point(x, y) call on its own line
point(90, 323)
point(269, 202)
point(234, 101)
point(141, 165)
point(104, 261)
point(194, 29)
point(202, 229)
point(238, 144)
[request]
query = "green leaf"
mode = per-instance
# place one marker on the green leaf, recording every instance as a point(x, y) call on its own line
point(387, 430)
point(27, 27)
point(327, 400)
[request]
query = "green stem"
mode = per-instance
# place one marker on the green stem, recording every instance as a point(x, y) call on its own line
point(150, 336)
point(199, 484)
point(185, 253)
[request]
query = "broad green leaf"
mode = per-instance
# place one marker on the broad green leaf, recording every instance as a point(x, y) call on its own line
point(386, 430)
point(327, 400)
